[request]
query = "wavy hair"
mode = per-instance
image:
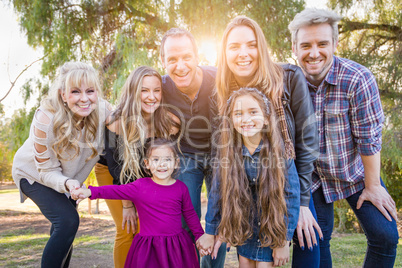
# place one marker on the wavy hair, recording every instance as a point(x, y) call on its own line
point(268, 77)
point(314, 16)
point(132, 126)
point(235, 193)
point(67, 129)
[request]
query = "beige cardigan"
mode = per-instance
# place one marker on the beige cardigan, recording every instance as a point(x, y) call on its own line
point(54, 172)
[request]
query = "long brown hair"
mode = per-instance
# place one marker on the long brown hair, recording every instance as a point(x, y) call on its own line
point(268, 77)
point(132, 125)
point(235, 193)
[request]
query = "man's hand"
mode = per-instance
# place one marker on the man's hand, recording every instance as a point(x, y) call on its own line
point(306, 225)
point(380, 198)
point(374, 192)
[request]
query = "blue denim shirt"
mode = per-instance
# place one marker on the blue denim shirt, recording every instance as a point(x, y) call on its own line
point(252, 165)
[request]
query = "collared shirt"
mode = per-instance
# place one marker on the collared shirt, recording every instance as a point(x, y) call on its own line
point(194, 114)
point(349, 118)
point(252, 165)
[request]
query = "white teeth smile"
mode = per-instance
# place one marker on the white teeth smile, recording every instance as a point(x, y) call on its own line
point(182, 75)
point(84, 106)
point(150, 103)
point(245, 63)
point(314, 62)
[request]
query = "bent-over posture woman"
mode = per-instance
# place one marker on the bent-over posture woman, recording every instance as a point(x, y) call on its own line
point(64, 144)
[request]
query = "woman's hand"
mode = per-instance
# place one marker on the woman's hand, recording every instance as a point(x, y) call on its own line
point(205, 244)
point(281, 255)
point(71, 185)
point(129, 216)
point(218, 243)
point(80, 194)
point(306, 225)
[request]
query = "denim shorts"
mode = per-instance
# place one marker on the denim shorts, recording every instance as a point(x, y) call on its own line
point(252, 250)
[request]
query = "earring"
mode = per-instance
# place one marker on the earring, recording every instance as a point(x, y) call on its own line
point(65, 103)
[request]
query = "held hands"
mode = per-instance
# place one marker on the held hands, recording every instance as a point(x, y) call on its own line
point(306, 225)
point(205, 244)
point(80, 193)
point(281, 255)
point(71, 185)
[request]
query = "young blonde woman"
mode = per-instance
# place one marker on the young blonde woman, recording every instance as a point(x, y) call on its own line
point(140, 115)
point(64, 144)
point(244, 61)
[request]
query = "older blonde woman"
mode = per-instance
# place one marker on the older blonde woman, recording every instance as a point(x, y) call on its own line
point(60, 152)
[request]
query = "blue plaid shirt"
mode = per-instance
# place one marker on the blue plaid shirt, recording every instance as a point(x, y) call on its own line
point(349, 119)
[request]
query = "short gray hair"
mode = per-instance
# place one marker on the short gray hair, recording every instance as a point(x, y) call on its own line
point(177, 32)
point(311, 16)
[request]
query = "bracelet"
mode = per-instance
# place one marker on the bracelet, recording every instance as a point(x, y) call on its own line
point(128, 207)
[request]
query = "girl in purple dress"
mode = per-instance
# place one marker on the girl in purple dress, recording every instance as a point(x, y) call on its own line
point(160, 201)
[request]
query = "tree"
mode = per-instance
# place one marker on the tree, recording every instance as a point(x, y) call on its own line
point(118, 35)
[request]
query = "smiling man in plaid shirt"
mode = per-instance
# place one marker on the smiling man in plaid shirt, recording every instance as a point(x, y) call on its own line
point(350, 119)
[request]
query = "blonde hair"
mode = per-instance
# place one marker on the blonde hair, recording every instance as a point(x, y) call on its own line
point(236, 200)
point(311, 16)
point(268, 77)
point(67, 128)
point(132, 125)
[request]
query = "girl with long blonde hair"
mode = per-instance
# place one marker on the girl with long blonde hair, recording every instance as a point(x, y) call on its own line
point(140, 114)
point(63, 146)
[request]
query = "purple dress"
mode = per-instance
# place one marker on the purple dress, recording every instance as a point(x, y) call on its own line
point(161, 242)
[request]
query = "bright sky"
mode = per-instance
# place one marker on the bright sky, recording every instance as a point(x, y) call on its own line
point(15, 55)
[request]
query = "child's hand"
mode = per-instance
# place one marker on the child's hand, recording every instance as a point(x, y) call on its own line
point(281, 255)
point(205, 244)
point(80, 193)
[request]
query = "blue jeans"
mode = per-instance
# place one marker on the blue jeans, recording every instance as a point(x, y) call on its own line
point(382, 235)
point(61, 212)
point(193, 169)
point(306, 257)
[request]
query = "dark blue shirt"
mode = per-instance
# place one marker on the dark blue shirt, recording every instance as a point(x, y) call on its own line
point(194, 114)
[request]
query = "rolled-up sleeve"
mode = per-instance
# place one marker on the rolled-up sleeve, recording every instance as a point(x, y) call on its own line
point(366, 115)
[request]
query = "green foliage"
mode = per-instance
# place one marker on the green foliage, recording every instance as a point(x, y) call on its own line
point(344, 218)
point(15, 131)
point(372, 35)
point(207, 19)
point(5, 163)
point(117, 36)
point(91, 180)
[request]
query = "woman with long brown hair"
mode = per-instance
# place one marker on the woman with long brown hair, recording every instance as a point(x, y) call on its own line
point(244, 61)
